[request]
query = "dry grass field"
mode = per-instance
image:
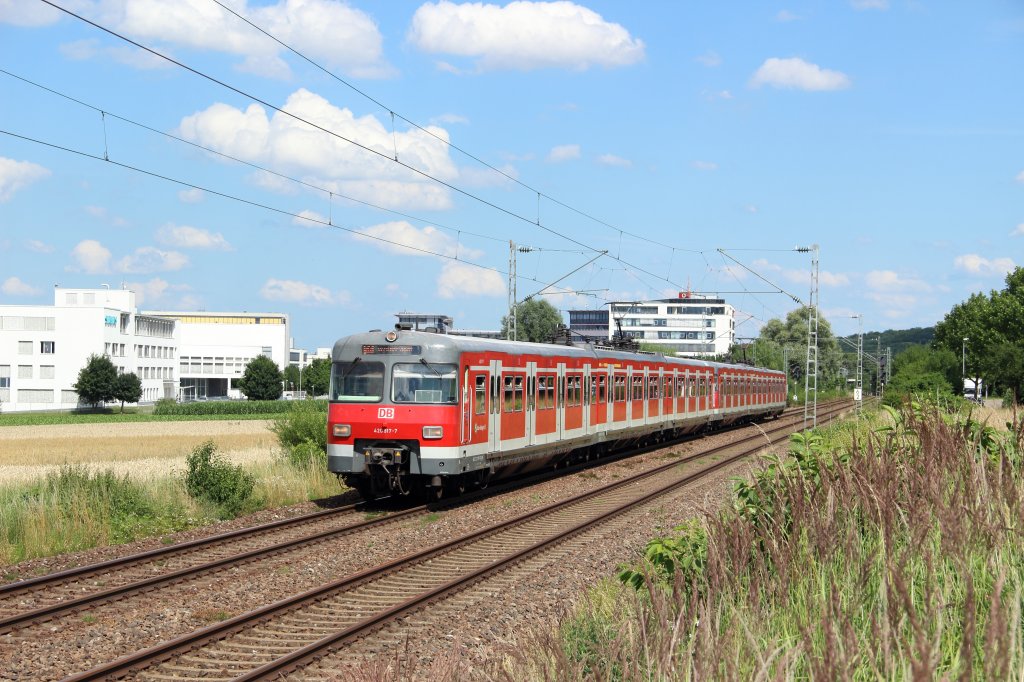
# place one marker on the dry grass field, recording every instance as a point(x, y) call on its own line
point(145, 450)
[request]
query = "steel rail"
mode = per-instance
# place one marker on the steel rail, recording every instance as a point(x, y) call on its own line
point(191, 641)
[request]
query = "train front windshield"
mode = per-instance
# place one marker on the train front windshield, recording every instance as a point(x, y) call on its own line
point(357, 382)
point(424, 383)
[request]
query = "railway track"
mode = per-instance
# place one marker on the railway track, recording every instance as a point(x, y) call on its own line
point(37, 600)
point(283, 637)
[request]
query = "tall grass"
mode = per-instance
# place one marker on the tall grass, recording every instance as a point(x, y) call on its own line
point(235, 407)
point(76, 509)
point(898, 556)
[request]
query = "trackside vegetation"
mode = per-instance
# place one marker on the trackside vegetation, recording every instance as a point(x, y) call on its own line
point(891, 549)
point(77, 508)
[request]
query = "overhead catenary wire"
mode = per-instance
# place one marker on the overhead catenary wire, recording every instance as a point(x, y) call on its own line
point(266, 207)
point(339, 136)
point(447, 142)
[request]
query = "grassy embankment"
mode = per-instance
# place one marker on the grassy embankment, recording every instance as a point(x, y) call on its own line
point(66, 488)
point(889, 549)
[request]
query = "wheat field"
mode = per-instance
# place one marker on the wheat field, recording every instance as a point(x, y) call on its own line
point(143, 450)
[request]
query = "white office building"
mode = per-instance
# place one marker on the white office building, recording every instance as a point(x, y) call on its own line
point(216, 347)
point(688, 325)
point(42, 348)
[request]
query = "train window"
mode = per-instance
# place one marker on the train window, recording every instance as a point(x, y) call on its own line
point(545, 392)
point(638, 388)
point(481, 394)
point(507, 394)
point(520, 394)
point(572, 391)
point(357, 382)
point(602, 389)
point(652, 388)
point(431, 383)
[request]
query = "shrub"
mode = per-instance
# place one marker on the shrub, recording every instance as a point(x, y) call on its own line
point(211, 478)
point(307, 454)
point(240, 407)
point(302, 432)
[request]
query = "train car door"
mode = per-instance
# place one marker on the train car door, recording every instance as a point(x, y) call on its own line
point(494, 406)
point(572, 397)
point(653, 394)
point(513, 407)
point(636, 396)
point(530, 403)
point(619, 396)
point(477, 407)
point(600, 396)
point(546, 414)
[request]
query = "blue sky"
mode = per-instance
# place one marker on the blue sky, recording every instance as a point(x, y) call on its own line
point(891, 133)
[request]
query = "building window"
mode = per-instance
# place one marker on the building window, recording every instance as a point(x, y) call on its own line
point(47, 347)
point(46, 371)
point(24, 371)
point(267, 351)
point(24, 348)
point(5, 376)
point(34, 395)
point(71, 299)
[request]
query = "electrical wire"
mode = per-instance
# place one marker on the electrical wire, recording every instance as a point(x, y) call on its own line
point(339, 136)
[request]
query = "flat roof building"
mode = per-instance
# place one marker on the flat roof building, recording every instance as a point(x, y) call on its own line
point(688, 325)
point(216, 346)
point(43, 348)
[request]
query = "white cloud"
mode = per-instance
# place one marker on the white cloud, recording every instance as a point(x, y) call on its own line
point(449, 119)
point(458, 280)
point(91, 48)
point(38, 246)
point(710, 59)
point(21, 13)
point(103, 214)
point(705, 165)
point(283, 143)
point(148, 259)
point(17, 175)
point(825, 278)
point(888, 280)
point(1018, 231)
point(91, 257)
point(187, 237)
point(402, 233)
point(13, 286)
point(978, 265)
point(785, 16)
point(524, 35)
point(193, 195)
point(751, 208)
point(1020, 177)
point(160, 291)
point(795, 73)
point(480, 176)
point(564, 152)
point(333, 33)
point(295, 291)
point(869, 4)
point(309, 218)
point(612, 160)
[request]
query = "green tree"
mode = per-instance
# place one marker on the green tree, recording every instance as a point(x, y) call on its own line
point(96, 380)
point(261, 379)
point(316, 379)
point(994, 328)
point(793, 334)
point(923, 371)
point(536, 320)
point(127, 388)
point(291, 378)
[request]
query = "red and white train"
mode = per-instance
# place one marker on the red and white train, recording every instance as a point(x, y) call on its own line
point(417, 412)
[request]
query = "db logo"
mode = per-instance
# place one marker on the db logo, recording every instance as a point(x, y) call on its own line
point(385, 413)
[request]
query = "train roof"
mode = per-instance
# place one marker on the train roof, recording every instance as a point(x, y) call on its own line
point(438, 344)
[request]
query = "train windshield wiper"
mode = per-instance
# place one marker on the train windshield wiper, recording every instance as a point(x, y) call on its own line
point(431, 368)
point(351, 367)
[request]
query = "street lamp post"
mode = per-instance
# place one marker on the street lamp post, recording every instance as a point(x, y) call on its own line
point(963, 368)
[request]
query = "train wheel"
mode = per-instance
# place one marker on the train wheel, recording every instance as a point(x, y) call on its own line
point(484, 480)
point(457, 485)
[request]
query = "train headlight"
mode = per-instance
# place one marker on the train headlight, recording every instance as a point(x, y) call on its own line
point(433, 432)
point(342, 430)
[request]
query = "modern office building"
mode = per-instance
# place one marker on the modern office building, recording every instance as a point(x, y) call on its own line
point(43, 348)
point(216, 346)
point(688, 325)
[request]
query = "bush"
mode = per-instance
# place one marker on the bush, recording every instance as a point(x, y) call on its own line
point(307, 454)
point(211, 478)
point(302, 432)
